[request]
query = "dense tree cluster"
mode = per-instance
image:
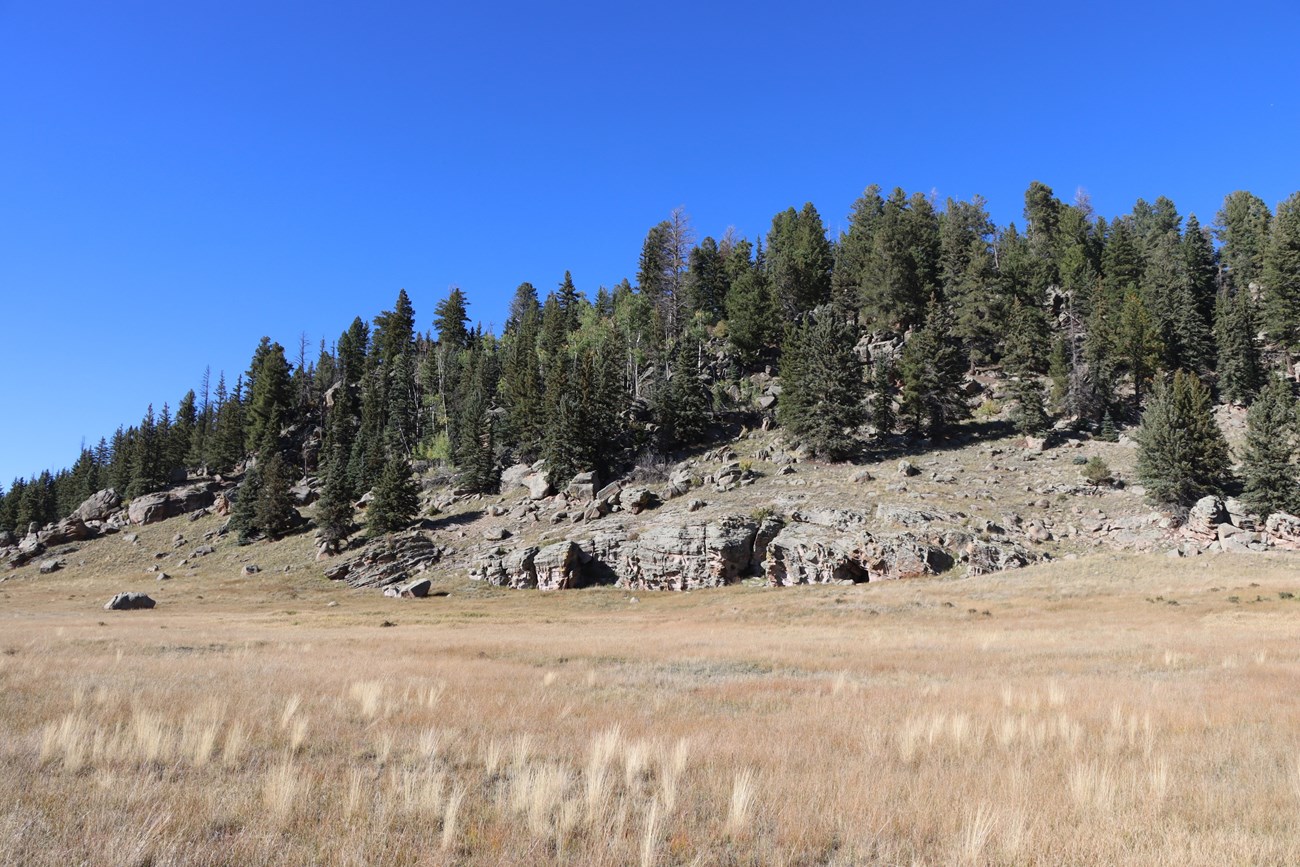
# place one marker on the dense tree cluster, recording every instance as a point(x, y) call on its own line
point(873, 333)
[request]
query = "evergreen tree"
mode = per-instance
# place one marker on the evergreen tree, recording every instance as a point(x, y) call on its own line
point(823, 392)
point(1182, 455)
point(270, 391)
point(354, 346)
point(1242, 226)
point(396, 501)
point(1281, 275)
point(901, 271)
point(751, 314)
point(334, 510)
point(147, 472)
point(682, 402)
point(853, 252)
point(180, 440)
point(1201, 269)
point(395, 329)
point(1235, 326)
point(1138, 344)
point(450, 319)
point(799, 260)
point(1268, 462)
point(273, 511)
point(933, 369)
point(706, 281)
point(227, 440)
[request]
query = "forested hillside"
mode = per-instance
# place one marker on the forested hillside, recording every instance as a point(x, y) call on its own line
point(872, 335)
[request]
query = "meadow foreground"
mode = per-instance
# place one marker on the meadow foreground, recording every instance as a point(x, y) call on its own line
point(1114, 709)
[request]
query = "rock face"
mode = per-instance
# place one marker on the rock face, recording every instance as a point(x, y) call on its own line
point(151, 508)
point(688, 557)
point(1283, 531)
point(806, 553)
point(1204, 518)
point(129, 602)
point(388, 560)
point(819, 546)
point(99, 506)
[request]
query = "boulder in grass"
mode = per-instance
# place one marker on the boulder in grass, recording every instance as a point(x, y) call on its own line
point(129, 602)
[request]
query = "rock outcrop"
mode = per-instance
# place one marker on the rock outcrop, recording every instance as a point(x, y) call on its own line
point(151, 508)
point(388, 560)
point(688, 557)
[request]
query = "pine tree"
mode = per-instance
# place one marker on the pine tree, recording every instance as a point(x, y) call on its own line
point(1281, 275)
point(822, 393)
point(1236, 326)
point(902, 270)
point(933, 369)
point(799, 260)
point(395, 329)
point(853, 252)
point(681, 406)
point(1182, 455)
point(334, 510)
point(396, 500)
point(450, 319)
point(751, 315)
point(1268, 462)
point(147, 473)
point(270, 391)
point(1108, 434)
point(1137, 344)
point(180, 441)
point(1242, 225)
point(273, 511)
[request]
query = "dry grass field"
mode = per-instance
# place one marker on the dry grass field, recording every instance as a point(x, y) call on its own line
point(1106, 710)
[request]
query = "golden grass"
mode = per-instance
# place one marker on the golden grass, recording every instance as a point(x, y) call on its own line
point(1086, 720)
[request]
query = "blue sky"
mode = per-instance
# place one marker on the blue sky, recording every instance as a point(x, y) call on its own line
point(178, 179)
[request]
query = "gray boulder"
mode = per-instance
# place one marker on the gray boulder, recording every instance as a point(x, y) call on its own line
point(51, 565)
point(99, 506)
point(129, 602)
point(151, 508)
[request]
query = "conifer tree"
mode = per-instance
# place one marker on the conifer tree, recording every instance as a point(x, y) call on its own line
point(682, 402)
point(1182, 455)
point(706, 281)
point(270, 391)
point(799, 260)
point(273, 511)
point(823, 391)
point(933, 369)
point(1268, 461)
point(147, 472)
point(396, 501)
point(853, 252)
point(1242, 225)
point(334, 510)
point(1137, 344)
point(395, 329)
point(751, 314)
point(1236, 326)
point(1281, 275)
point(450, 320)
point(226, 445)
point(902, 269)
point(180, 440)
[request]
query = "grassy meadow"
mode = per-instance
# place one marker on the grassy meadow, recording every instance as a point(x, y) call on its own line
point(1105, 710)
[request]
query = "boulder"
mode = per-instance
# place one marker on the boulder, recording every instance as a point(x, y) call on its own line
point(305, 492)
point(907, 468)
point(151, 508)
point(51, 565)
point(496, 534)
point(129, 602)
point(582, 487)
point(68, 530)
point(1283, 531)
point(418, 589)
point(514, 477)
point(1204, 519)
point(636, 500)
point(98, 506)
point(538, 485)
point(250, 569)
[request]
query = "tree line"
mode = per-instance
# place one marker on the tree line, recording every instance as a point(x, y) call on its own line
point(872, 333)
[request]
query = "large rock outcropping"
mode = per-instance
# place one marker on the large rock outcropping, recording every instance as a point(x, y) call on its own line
point(151, 508)
point(388, 560)
point(818, 547)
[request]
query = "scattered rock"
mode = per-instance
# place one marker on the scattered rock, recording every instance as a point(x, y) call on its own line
point(496, 534)
point(48, 566)
point(695, 505)
point(907, 468)
point(418, 589)
point(250, 569)
point(163, 576)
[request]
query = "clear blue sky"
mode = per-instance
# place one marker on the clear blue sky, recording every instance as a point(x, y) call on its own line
point(178, 179)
